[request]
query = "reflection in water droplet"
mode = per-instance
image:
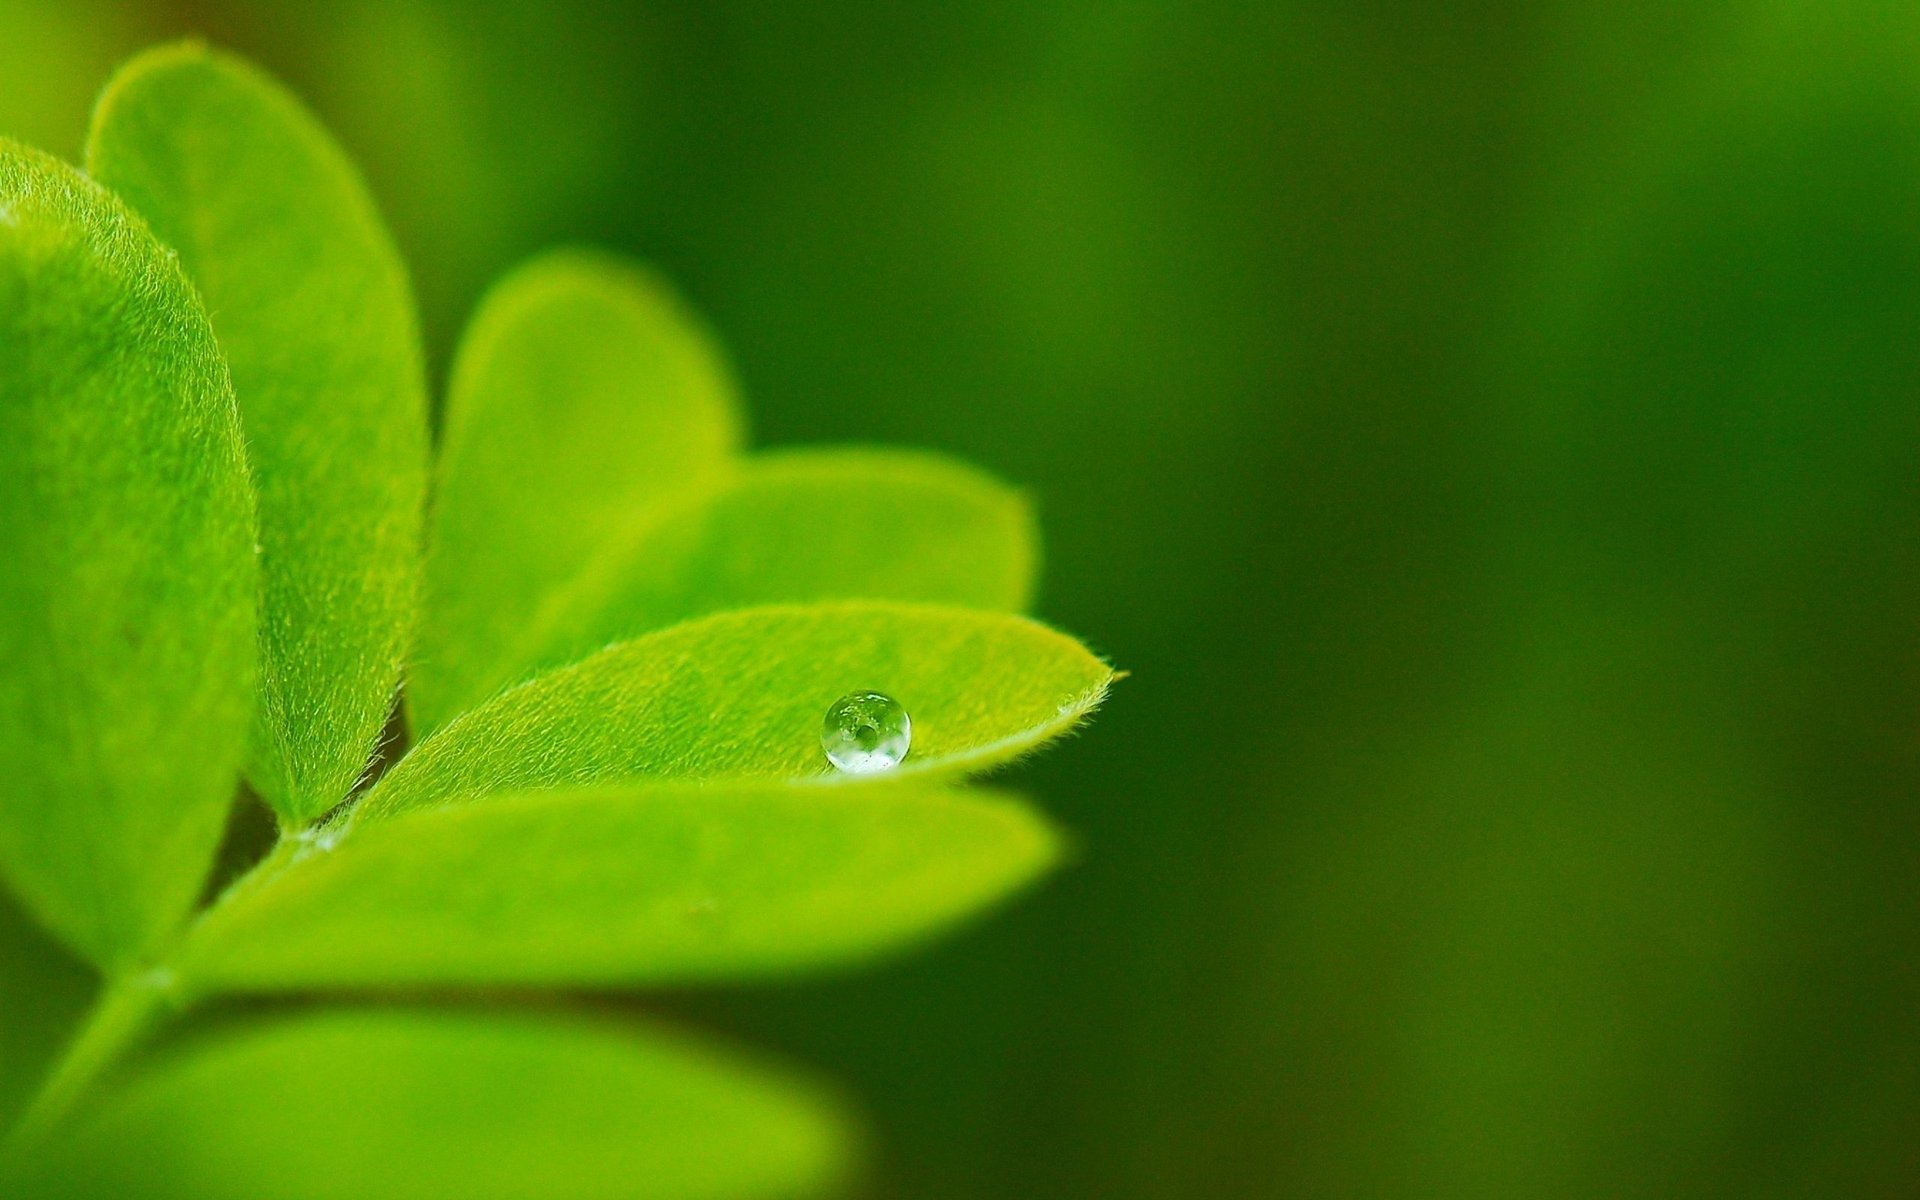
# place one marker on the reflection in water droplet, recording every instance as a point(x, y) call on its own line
point(866, 732)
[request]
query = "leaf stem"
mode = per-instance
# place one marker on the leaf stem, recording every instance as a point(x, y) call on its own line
point(130, 1005)
point(123, 1014)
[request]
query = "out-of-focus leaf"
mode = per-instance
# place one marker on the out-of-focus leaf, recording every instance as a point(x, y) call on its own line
point(127, 575)
point(310, 305)
point(742, 696)
point(649, 884)
point(398, 1105)
point(583, 397)
point(1673, 914)
point(1713, 359)
point(43, 992)
point(800, 526)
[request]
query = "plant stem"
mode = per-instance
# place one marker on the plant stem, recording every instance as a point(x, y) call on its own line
point(123, 1014)
point(127, 1009)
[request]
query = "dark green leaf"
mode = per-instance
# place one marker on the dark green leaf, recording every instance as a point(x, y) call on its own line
point(43, 994)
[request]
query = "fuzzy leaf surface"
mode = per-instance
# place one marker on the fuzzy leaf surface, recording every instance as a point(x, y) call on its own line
point(623, 885)
point(583, 397)
point(127, 574)
point(800, 526)
point(312, 310)
point(383, 1104)
point(741, 696)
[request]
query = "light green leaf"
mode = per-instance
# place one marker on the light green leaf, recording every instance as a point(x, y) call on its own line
point(742, 695)
point(397, 1105)
point(805, 525)
point(614, 885)
point(583, 397)
point(311, 308)
point(127, 576)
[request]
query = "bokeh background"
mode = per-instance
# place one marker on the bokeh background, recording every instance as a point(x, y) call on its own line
point(1489, 432)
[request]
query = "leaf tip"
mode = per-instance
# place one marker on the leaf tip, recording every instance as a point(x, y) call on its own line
point(153, 61)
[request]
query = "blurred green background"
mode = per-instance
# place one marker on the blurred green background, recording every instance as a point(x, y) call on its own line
point(1489, 432)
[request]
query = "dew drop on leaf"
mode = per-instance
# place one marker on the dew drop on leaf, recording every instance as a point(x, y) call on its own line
point(866, 732)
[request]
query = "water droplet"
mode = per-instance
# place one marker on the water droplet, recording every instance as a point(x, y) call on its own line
point(866, 732)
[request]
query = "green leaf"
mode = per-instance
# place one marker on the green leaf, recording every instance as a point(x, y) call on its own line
point(311, 308)
point(127, 575)
point(397, 1105)
point(659, 884)
point(801, 526)
point(43, 994)
point(742, 695)
point(584, 396)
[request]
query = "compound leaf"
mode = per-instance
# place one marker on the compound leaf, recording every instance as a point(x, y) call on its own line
point(127, 574)
point(622, 885)
point(742, 695)
point(584, 396)
point(311, 307)
point(402, 1105)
